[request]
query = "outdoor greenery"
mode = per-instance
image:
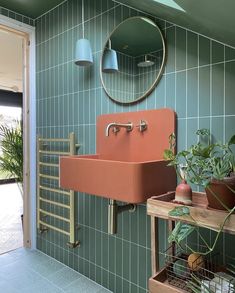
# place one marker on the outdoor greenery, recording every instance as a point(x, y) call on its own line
point(11, 158)
point(4, 175)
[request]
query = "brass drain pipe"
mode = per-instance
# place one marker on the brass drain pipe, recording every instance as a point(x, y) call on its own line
point(113, 210)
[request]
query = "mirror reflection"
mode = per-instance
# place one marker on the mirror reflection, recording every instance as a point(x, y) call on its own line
point(132, 60)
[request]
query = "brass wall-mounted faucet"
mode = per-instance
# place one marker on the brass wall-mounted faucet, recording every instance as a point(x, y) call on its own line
point(116, 127)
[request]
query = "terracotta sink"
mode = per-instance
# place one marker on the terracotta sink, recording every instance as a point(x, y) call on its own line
point(128, 166)
point(131, 182)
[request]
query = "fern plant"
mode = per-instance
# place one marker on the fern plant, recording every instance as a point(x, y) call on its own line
point(11, 158)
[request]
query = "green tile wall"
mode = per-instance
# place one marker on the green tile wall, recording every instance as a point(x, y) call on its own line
point(16, 16)
point(198, 83)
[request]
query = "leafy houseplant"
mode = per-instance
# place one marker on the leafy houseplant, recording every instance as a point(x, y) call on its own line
point(208, 165)
point(11, 158)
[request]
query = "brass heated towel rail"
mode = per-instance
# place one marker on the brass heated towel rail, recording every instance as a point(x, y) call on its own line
point(55, 206)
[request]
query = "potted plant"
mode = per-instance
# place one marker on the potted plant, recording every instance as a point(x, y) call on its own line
point(11, 158)
point(209, 165)
point(212, 167)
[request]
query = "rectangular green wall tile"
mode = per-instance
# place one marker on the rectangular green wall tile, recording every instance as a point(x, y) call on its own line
point(192, 50)
point(204, 51)
point(217, 52)
point(217, 103)
point(229, 88)
point(69, 98)
point(180, 48)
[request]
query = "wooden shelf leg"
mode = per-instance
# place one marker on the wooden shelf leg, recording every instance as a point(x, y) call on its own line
point(154, 245)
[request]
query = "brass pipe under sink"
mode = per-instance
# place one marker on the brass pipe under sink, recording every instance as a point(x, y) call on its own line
point(113, 210)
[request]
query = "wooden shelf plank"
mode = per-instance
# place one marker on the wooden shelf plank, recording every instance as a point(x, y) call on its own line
point(160, 206)
point(158, 283)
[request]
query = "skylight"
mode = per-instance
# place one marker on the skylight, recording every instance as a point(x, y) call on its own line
point(170, 3)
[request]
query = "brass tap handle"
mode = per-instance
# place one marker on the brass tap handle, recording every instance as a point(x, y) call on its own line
point(142, 126)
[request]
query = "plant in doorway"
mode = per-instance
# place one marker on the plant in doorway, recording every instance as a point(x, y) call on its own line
point(11, 156)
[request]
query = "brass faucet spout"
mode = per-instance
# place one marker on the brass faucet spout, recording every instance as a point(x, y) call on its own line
point(116, 127)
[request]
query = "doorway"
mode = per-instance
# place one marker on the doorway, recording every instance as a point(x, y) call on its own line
point(26, 34)
point(11, 143)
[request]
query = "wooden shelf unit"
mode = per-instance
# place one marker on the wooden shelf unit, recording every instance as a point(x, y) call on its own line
point(159, 207)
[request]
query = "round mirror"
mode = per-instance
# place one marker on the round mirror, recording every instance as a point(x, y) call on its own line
point(132, 60)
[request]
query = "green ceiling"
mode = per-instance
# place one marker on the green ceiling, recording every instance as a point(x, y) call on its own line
point(136, 37)
point(30, 8)
point(213, 18)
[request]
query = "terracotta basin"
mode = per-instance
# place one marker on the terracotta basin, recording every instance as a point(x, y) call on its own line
point(128, 166)
point(128, 181)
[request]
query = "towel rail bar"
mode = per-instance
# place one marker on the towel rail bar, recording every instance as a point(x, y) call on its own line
point(62, 205)
point(48, 164)
point(54, 139)
point(42, 173)
point(54, 228)
point(54, 215)
point(54, 153)
point(54, 190)
point(49, 176)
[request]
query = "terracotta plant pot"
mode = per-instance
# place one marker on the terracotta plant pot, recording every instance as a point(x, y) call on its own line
point(219, 188)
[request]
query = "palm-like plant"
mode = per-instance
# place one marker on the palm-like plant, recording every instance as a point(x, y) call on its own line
point(11, 158)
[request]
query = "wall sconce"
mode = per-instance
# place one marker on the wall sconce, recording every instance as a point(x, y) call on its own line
point(83, 53)
point(110, 62)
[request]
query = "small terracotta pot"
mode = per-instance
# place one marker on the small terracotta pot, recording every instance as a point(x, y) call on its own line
point(219, 188)
point(183, 193)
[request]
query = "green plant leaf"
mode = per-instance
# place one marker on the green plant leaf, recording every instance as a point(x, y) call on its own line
point(185, 231)
point(183, 153)
point(202, 150)
point(172, 236)
point(221, 169)
point(172, 140)
point(203, 132)
point(179, 211)
point(232, 140)
point(180, 232)
point(168, 155)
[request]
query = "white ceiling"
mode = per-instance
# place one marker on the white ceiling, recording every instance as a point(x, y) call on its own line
point(11, 61)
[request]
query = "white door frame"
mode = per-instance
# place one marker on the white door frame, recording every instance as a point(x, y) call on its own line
point(29, 119)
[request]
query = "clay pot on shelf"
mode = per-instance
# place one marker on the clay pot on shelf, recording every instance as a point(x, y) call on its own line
point(183, 193)
point(222, 191)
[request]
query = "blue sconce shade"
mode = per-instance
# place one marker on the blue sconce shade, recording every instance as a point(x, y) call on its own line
point(110, 62)
point(83, 54)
